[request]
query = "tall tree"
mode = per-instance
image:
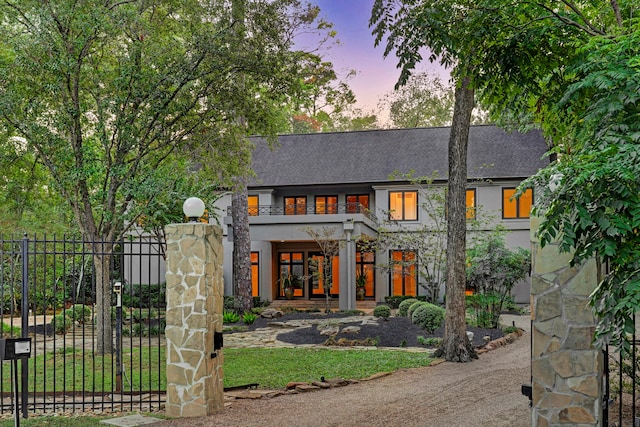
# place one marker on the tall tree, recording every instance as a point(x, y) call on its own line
point(105, 92)
point(544, 62)
point(300, 18)
point(424, 101)
point(240, 197)
point(410, 27)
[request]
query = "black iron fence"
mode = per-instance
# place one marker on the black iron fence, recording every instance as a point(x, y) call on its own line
point(621, 387)
point(48, 291)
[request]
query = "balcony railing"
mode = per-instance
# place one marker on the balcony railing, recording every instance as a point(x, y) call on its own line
point(318, 209)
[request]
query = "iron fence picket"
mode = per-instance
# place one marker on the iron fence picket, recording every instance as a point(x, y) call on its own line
point(619, 400)
point(65, 373)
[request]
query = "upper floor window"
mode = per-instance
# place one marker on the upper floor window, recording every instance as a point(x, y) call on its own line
point(516, 207)
point(357, 202)
point(252, 202)
point(326, 204)
point(403, 205)
point(471, 203)
point(295, 205)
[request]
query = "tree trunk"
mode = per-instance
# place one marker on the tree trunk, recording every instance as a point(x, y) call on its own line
point(104, 329)
point(240, 204)
point(455, 344)
point(241, 249)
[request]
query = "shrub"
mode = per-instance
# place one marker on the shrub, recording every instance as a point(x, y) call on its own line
point(229, 303)
point(61, 323)
point(383, 311)
point(428, 316)
point(413, 308)
point(395, 300)
point(404, 306)
point(79, 312)
point(144, 295)
point(258, 302)
point(140, 315)
point(249, 317)
point(230, 317)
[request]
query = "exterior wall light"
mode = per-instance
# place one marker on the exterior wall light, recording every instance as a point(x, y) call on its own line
point(193, 208)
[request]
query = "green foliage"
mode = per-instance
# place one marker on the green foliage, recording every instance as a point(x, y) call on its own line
point(258, 302)
point(141, 315)
point(8, 331)
point(395, 300)
point(593, 208)
point(79, 313)
point(383, 311)
point(249, 318)
point(428, 316)
point(492, 271)
point(413, 307)
point(510, 329)
point(429, 342)
point(424, 101)
point(229, 303)
point(403, 307)
point(61, 323)
point(144, 295)
point(230, 317)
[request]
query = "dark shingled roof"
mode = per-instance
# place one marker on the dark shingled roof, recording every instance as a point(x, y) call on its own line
point(371, 156)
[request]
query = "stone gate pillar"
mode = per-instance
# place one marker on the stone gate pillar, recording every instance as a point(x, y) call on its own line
point(566, 369)
point(194, 313)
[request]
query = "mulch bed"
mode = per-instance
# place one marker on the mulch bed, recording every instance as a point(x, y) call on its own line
point(393, 332)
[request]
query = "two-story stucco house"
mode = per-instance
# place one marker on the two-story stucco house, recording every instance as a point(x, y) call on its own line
point(342, 181)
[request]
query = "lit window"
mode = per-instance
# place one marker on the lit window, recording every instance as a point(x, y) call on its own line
point(516, 207)
point(295, 205)
point(291, 263)
point(403, 273)
point(356, 203)
point(255, 273)
point(365, 264)
point(326, 205)
point(471, 203)
point(403, 205)
point(252, 202)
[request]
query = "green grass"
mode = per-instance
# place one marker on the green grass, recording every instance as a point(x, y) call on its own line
point(271, 368)
point(50, 421)
point(274, 368)
point(67, 369)
point(9, 331)
point(81, 420)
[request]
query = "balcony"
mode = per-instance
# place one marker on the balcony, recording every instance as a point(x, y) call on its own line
point(320, 209)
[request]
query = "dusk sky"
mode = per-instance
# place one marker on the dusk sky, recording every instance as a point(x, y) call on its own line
point(376, 75)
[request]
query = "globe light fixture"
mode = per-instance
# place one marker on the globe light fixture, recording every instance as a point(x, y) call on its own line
point(193, 208)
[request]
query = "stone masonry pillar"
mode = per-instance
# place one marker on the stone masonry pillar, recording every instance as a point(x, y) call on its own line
point(566, 369)
point(194, 312)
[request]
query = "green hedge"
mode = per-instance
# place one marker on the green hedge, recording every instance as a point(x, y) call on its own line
point(394, 301)
point(144, 295)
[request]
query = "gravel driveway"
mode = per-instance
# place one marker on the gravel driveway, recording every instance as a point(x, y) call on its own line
point(485, 392)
